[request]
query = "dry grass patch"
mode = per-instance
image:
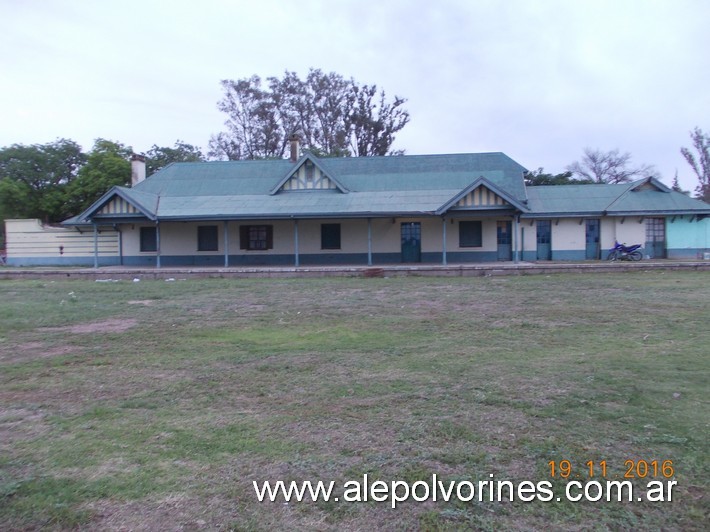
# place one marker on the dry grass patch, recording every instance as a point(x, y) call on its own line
point(156, 405)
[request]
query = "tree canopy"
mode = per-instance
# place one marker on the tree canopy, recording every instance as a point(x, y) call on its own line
point(609, 167)
point(333, 117)
point(107, 165)
point(539, 177)
point(33, 179)
point(700, 163)
point(157, 157)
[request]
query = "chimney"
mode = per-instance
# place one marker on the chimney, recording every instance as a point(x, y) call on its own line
point(137, 169)
point(294, 139)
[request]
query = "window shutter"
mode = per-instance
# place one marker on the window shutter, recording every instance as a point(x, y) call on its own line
point(269, 237)
point(243, 236)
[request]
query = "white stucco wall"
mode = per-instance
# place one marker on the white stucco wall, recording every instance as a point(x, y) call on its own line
point(28, 241)
point(568, 234)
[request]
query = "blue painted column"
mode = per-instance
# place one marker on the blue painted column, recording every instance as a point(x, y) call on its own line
point(369, 241)
point(96, 246)
point(157, 244)
point(226, 244)
point(297, 259)
point(516, 227)
point(443, 243)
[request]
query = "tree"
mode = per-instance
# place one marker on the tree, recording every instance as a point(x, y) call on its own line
point(609, 167)
point(333, 116)
point(107, 164)
point(33, 179)
point(676, 185)
point(374, 122)
point(701, 165)
point(160, 157)
point(539, 177)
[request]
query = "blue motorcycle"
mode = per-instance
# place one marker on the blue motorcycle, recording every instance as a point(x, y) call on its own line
point(623, 252)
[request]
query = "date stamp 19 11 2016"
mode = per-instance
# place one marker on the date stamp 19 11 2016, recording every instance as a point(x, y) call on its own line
point(631, 469)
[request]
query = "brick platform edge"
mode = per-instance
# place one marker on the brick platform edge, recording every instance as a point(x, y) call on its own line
point(401, 270)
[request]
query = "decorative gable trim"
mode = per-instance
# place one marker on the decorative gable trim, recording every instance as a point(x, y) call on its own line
point(118, 205)
point(308, 174)
point(309, 177)
point(483, 195)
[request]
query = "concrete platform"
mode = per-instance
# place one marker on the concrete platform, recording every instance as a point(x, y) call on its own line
point(389, 270)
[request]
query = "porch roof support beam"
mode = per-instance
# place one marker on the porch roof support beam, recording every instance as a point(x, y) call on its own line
point(96, 246)
point(157, 244)
point(443, 240)
point(369, 241)
point(296, 258)
point(226, 244)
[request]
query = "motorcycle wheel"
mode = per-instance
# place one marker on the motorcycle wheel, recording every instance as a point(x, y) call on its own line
point(613, 255)
point(636, 255)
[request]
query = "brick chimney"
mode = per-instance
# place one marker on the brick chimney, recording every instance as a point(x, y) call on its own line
point(294, 140)
point(137, 169)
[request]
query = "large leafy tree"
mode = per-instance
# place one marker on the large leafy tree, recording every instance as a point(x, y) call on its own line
point(33, 179)
point(333, 116)
point(160, 157)
point(107, 164)
point(609, 167)
point(701, 164)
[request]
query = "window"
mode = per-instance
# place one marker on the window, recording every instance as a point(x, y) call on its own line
point(470, 234)
point(149, 239)
point(330, 236)
point(207, 238)
point(256, 237)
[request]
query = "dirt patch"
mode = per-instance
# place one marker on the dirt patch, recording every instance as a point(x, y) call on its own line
point(33, 350)
point(106, 326)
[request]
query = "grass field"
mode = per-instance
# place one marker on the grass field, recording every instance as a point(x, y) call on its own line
point(155, 405)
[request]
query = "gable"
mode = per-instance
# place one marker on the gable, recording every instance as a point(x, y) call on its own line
point(309, 176)
point(483, 197)
point(118, 205)
point(645, 186)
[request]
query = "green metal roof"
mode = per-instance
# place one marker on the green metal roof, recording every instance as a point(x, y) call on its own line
point(402, 185)
point(376, 186)
point(646, 196)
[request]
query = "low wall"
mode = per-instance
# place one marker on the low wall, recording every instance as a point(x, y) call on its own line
point(31, 243)
point(420, 270)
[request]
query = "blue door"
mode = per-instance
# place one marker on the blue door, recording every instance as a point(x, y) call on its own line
point(656, 238)
point(505, 248)
point(592, 239)
point(544, 240)
point(411, 242)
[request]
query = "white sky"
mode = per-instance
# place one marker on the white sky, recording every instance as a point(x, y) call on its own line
point(537, 79)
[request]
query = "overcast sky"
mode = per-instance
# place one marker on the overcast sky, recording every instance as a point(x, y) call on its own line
point(537, 80)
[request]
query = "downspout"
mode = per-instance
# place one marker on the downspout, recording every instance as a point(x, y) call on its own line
point(522, 243)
